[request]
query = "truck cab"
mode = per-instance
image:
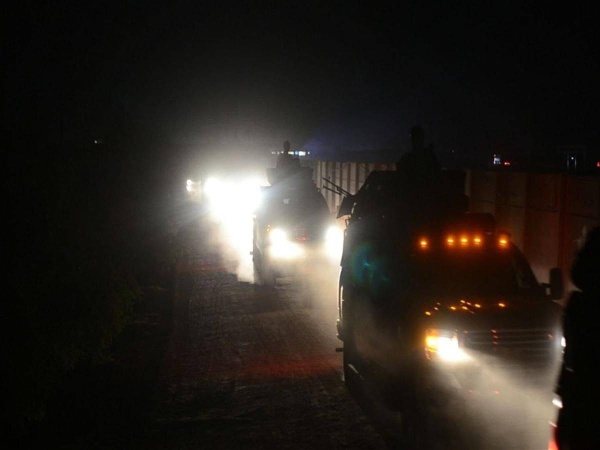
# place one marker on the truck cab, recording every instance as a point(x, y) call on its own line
point(456, 301)
point(291, 227)
point(436, 303)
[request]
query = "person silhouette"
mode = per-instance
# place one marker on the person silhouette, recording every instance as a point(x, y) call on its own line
point(285, 160)
point(578, 381)
point(421, 160)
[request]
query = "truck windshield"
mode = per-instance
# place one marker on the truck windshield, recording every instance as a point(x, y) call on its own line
point(486, 272)
point(298, 208)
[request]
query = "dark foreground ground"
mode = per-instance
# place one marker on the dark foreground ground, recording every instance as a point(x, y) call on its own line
point(215, 362)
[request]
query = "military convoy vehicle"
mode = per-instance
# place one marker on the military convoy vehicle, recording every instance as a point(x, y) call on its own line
point(435, 302)
point(291, 226)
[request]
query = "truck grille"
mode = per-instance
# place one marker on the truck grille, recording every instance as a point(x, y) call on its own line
point(529, 347)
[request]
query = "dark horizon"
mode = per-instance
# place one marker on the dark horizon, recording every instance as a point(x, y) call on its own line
point(324, 77)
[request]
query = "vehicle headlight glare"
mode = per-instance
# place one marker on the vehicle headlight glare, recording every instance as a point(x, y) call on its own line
point(332, 234)
point(444, 345)
point(334, 242)
point(278, 237)
point(283, 248)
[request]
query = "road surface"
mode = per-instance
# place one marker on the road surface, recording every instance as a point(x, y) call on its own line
point(254, 367)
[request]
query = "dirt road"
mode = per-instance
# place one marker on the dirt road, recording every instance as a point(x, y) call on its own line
point(253, 367)
point(234, 365)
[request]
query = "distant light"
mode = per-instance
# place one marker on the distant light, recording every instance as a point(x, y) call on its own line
point(464, 240)
point(496, 160)
point(477, 240)
point(302, 153)
point(507, 163)
point(598, 164)
point(502, 305)
point(423, 243)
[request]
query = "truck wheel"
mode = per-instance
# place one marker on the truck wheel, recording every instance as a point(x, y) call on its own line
point(350, 358)
point(351, 361)
point(263, 275)
point(268, 277)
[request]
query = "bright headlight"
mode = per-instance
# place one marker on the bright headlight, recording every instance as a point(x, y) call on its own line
point(444, 345)
point(212, 187)
point(277, 236)
point(334, 242)
point(281, 247)
point(332, 234)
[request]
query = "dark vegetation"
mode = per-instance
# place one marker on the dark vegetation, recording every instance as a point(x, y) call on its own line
point(89, 239)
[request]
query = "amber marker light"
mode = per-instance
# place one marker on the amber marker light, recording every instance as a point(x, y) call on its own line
point(464, 240)
point(450, 241)
point(503, 241)
point(477, 240)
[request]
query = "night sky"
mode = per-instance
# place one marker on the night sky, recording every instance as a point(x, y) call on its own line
point(324, 75)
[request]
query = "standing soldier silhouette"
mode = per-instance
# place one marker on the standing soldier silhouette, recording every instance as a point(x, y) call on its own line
point(579, 380)
point(285, 160)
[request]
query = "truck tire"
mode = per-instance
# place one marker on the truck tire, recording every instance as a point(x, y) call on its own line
point(351, 362)
point(263, 275)
point(351, 359)
point(268, 276)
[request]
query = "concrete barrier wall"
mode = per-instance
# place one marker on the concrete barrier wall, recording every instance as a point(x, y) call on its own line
point(547, 215)
point(349, 176)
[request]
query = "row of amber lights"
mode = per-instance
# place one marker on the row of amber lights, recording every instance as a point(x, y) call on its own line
point(464, 240)
point(464, 307)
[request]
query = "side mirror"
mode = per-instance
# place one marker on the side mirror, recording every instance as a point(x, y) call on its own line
point(556, 285)
point(346, 206)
